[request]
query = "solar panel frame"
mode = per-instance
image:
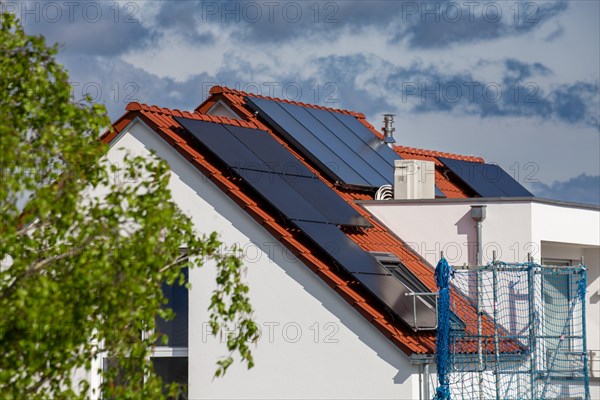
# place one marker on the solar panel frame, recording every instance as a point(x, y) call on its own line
point(393, 293)
point(341, 248)
point(502, 180)
point(372, 158)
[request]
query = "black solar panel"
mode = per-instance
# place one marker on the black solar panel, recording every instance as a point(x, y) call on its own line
point(318, 151)
point(311, 148)
point(370, 273)
point(274, 173)
point(223, 144)
point(353, 154)
point(281, 195)
point(341, 248)
point(487, 180)
point(270, 151)
point(324, 199)
point(364, 146)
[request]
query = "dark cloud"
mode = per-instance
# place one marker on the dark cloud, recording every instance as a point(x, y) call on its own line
point(581, 189)
point(343, 73)
point(517, 70)
point(438, 24)
point(577, 102)
point(115, 83)
point(111, 28)
point(358, 82)
point(187, 19)
point(423, 24)
point(428, 89)
point(86, 27)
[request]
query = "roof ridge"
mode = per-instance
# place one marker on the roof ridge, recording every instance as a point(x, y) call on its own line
point(422, 152)
point(227, 90)
point(135, 106)
point(436, 153)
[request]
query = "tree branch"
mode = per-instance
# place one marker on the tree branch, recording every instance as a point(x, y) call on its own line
point(6, 292)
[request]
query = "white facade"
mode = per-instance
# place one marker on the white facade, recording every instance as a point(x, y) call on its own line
point(513, 228)
point(313, 343)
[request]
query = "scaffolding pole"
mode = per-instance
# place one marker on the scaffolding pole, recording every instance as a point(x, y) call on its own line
point(496, 340)
point(479, 333)
point(532, 344)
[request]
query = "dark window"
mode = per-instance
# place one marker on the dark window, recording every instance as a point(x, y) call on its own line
point(173, 370)
point(177, 328)
point(116, 375)
point(420, 311)
point(423, 308)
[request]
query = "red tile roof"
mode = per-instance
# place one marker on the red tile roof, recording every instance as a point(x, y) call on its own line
point(377, 238)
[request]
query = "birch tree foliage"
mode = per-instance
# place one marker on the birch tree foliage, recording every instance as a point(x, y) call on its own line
point(81, 275)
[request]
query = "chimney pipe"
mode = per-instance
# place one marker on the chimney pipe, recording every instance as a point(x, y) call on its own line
point(388, 129)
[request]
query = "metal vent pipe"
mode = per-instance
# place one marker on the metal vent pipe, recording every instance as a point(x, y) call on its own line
point(388, 129)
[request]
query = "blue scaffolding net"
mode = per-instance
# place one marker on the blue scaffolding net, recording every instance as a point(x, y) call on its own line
point(511, 331)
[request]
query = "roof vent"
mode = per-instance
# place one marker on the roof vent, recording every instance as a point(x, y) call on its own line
point(388, 129)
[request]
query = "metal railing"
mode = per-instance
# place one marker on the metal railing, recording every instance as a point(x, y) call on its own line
point(594, 364)
point(414, 295)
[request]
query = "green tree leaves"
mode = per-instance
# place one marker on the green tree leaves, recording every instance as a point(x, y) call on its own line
point(84, 254)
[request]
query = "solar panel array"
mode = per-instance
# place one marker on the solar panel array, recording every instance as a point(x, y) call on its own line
point(487, 180)
point(347, 154)
point(275, 174)
point(284, 182)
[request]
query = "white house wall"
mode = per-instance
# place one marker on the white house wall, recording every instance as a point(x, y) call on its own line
point(313, 344)
point(431, 228)
point(565, 224)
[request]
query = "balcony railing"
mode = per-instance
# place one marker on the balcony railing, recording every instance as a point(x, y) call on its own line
point(594, 364)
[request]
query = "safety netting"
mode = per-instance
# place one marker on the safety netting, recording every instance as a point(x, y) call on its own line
point(511, 331)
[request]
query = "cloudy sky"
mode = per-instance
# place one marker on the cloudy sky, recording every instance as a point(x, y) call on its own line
point(513, 81)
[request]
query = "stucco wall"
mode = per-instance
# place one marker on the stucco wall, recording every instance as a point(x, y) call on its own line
point(430, 228)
